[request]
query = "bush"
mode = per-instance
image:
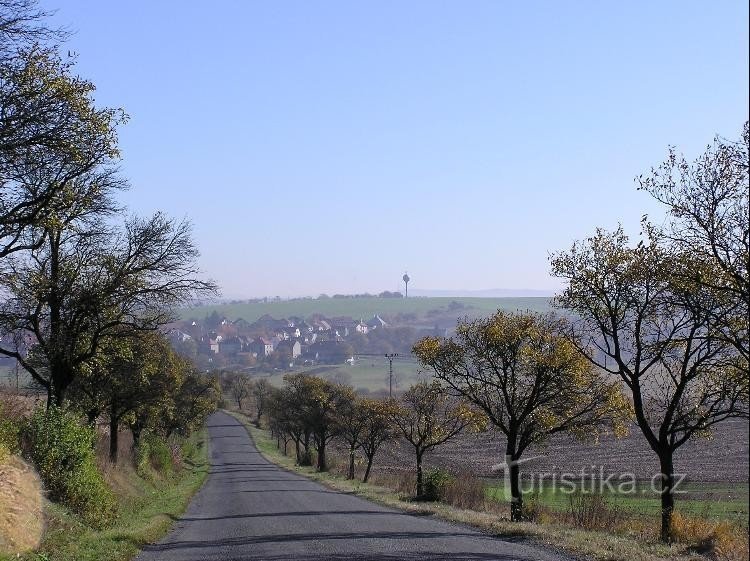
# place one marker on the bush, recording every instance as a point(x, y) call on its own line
point(9, 432)
point(62, 449)
point(154, 454)
point(12, 417)
point(465, 491)
point(592, 511)
point(435, 482)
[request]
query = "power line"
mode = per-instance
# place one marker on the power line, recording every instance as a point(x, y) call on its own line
point(390, 357)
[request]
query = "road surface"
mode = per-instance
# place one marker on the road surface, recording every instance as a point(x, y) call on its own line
point(250, 509)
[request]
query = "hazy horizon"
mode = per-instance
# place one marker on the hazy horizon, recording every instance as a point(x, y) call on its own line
point(331, 147)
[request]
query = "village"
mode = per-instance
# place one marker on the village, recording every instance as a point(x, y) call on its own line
point(285, 342)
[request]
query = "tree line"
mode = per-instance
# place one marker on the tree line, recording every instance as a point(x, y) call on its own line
point(85, 285)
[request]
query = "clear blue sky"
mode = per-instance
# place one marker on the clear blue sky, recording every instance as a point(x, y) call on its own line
point(329, 146)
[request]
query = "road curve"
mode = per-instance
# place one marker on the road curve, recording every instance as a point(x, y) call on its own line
point(251, 509)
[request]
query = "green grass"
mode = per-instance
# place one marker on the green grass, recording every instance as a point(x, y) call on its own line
point(370, 373)
point(145, 514)
point(718, 501)
point(363, 308)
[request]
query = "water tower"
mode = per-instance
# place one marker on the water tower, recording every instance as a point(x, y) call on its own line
point(406, 284)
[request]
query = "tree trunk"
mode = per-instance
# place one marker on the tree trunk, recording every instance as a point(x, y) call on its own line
point(512, 479)
point(667, 494)
point(420, 481)
point(351, 462)
point(91, 417)
point(298, 451)
point(367, 469)
point(322, 455)
point(136, 430)
point(113, 425)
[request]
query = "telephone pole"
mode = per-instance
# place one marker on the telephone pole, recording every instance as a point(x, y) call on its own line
point(390, 357)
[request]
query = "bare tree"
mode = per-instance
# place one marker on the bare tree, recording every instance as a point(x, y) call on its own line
point(708, 203)
point(90, 283)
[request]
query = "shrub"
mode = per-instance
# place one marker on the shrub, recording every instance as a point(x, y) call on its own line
point(465, 491)
point(716, 538)
point(592, 511)
point(435, 482)
point(62, 449)
point(11, 421)
point(154, 454)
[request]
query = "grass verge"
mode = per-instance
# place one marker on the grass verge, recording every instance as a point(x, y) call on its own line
point(147, 509)
point(593, 545)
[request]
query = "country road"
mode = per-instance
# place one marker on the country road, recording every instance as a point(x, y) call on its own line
point(251, 509)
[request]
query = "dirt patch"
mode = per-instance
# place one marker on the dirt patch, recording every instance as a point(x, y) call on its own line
point(723, 458)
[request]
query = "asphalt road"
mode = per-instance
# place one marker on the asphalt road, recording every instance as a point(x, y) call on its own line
point(251, 509)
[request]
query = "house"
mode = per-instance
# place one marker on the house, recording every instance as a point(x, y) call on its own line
point(305, 327)
point(329, 352)
point(177, 336)
point(241, 324)
point(263, 346)
point(293, 347)
point(376, 323)
point(322, 325)
point(230, 346)
point(361, 327)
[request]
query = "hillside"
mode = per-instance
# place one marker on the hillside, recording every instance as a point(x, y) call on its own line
point(364, 307)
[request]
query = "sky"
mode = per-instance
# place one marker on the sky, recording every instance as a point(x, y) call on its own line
point(330, 146)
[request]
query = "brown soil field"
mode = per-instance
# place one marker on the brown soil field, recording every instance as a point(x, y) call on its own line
point(722, 458)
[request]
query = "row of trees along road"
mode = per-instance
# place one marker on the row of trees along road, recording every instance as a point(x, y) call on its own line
point(310, 412)
point(667, 318)
point(82, 290)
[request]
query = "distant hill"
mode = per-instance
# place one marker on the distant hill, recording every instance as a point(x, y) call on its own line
point(488, 293)
point(365, 307)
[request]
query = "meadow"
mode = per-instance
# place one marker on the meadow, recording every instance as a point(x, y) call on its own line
point(363, 308)
point(367, 374)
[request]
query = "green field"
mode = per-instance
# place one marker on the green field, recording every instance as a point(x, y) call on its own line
point(370, 373)
point(711, 500)
point(363, 307)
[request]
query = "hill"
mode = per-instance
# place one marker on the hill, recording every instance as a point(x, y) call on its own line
point(366, 307)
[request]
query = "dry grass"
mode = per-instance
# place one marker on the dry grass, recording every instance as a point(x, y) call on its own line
point(21, 517)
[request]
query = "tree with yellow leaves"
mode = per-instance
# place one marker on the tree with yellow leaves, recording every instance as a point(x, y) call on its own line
point(428, 417)
point(529, 380)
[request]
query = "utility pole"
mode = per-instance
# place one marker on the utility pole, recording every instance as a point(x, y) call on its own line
point(390, 357)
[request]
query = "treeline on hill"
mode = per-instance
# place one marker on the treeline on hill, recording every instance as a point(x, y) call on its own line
point(84, 285)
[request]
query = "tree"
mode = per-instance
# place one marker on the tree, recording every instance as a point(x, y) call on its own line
point(51, 135)
point(634, 318)
point(22, 24)
point(708, 203)
point(261, 392)
point(91, 282)
point(241, 387)
point(352, 420)
point(287, 416)
point(134, 380)
point(427, 417)
point(377, 429)
point(526, 376)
